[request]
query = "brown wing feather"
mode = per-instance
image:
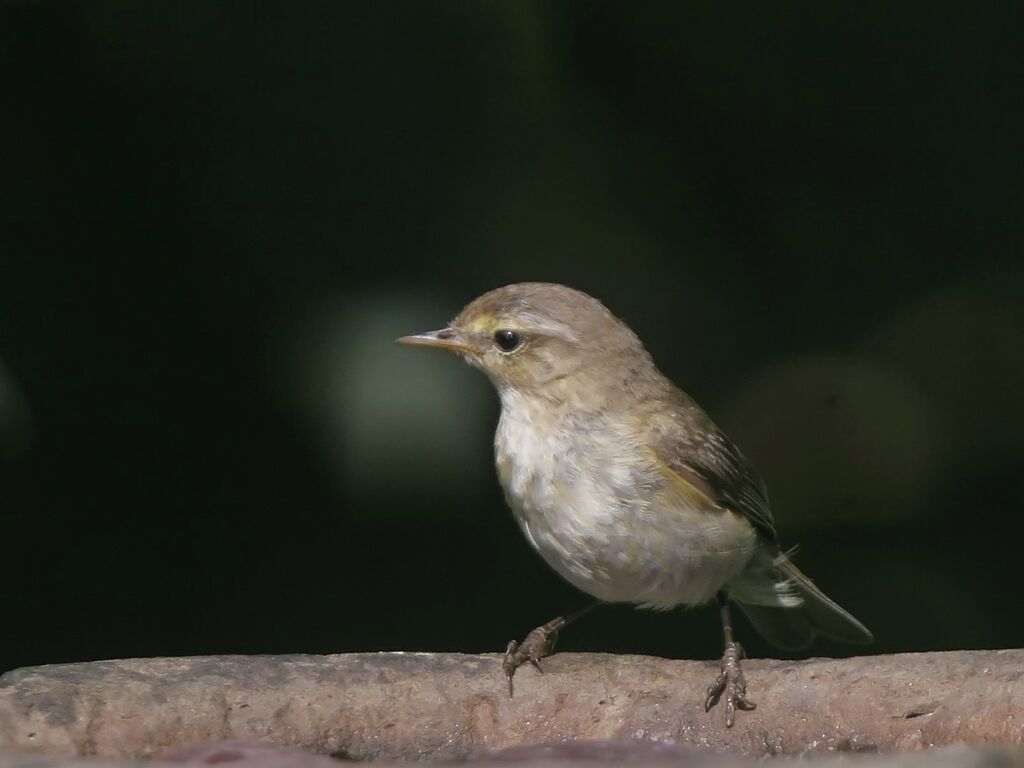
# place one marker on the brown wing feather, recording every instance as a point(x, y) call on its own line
point(689, 444)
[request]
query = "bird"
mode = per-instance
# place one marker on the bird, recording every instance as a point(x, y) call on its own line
point(624, 485)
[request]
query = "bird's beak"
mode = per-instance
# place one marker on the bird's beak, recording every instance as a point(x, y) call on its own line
point(446, 338)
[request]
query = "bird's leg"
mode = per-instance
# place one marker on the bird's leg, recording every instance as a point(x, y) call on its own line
point(540, 642)
point(730, 680)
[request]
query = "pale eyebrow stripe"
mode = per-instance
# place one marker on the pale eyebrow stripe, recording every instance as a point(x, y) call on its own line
point(547, 325)
point(528, 321)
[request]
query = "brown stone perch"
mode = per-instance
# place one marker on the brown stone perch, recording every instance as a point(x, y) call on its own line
point(401, 706)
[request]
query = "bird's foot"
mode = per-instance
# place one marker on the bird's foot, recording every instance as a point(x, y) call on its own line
point(730, 681)
point(535, 646)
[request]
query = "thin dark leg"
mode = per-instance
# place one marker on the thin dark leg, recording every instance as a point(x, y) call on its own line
point(726, 614)
point(540, 642)
point(730, 680)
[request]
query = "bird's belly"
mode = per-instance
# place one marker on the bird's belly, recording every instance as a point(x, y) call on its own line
point(609, 531)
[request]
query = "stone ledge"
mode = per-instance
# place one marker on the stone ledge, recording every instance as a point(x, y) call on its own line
point(427, 706)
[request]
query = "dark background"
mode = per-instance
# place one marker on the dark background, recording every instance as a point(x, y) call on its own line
point(216, 217)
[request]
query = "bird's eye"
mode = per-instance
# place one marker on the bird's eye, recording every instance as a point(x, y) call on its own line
point(506, 340)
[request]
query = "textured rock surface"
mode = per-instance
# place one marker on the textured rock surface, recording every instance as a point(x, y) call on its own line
point(394, 706)
point(594, 755)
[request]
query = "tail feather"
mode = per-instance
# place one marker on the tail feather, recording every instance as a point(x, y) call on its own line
point(816, 614)
point(786, 628)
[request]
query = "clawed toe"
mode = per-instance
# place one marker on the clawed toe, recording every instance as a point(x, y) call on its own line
point(730, 683)
point(536, 645)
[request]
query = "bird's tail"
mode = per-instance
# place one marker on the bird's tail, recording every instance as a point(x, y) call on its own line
point(788, 609)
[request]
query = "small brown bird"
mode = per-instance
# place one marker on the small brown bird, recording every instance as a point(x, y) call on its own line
point(623, 484)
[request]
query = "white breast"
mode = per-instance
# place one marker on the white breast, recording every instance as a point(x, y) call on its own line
point(597, 511)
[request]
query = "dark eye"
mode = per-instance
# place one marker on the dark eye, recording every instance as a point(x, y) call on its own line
point(506, 340)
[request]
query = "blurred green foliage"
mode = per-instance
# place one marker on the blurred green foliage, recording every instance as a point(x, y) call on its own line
point(218, 215)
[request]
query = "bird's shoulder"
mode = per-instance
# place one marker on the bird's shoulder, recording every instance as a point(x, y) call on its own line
point(696, 454)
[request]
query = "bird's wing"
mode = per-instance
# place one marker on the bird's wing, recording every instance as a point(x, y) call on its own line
point(697, 454)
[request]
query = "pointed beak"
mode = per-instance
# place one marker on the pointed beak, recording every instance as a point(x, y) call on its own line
point(446, 338)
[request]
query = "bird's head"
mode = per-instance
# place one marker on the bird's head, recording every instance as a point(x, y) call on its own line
point(526, 336)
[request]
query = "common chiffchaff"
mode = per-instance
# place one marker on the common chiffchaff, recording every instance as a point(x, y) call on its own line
point(623, 484)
